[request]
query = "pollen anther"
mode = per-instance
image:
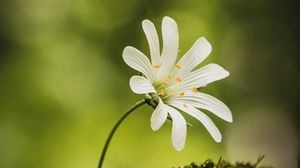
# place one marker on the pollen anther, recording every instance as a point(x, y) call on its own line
point(169, 76)
point(157, 66)
point(178, 79)
point(184, 105)
point(164, 81)
point(170, 94)
point(181, 93)
point(194, 89)
point(178, 66)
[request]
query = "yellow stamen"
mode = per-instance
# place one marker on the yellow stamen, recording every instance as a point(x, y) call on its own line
point(169, 76)
point(181, 93)
point(178, 66)
point(184, 105)
point(157, 66)
point(164, 82)
point(170, 94)
point(178, 79)
point(195, 90)
point(161, 92)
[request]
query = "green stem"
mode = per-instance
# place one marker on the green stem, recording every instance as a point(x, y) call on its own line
point(112, 132)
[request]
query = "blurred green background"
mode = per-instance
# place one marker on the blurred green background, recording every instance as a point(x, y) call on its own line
point(63, 83)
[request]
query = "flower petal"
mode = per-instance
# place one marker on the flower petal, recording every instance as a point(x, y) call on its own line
point(207, 102)
point(159, 116)
point(152, 37)
point(141, 85)
point(204, 76)
point(138, 61)
point(203, 118)
point(199, 51)
point(178, 128)
point(170, 44)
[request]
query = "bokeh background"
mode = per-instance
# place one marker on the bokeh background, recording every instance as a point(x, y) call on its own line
point(63, 83)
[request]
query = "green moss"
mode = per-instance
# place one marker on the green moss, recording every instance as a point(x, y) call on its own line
point(225, 164)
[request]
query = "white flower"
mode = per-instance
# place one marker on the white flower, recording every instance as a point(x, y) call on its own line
point(176, 84)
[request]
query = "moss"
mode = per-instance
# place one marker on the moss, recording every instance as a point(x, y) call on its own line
point(226, 164)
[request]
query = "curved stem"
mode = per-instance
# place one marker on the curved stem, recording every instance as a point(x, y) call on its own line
point(112, 132)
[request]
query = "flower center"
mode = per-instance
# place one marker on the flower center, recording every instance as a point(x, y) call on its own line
point(168, 80)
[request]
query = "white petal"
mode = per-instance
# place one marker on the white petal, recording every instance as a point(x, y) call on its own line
point(204, 76)
point(152, 37)
point(203, 118)
point(138, 61)
point(207, 102)
point(159, 116)
point(199, 51)
point(170, 44)
point(178, 128)
point(141, 85)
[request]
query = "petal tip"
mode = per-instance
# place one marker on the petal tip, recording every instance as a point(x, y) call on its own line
point(220, 70)
point(218, 140)
point(154, 127)
point(229, 115)
point(167, 20)
point(145, 22)
point(205, 43)
point(178, 148)
point(132, 84)
point(126, 50)
point(226, 73)
point(230, 119)
point(141, 85)
point(125, 53)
